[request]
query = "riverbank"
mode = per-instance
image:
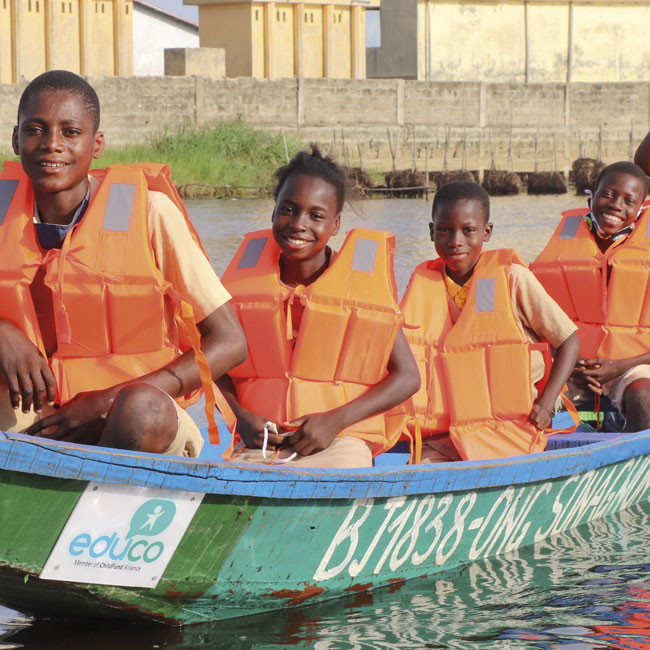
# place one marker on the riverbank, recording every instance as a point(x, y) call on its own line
point(230, 159)
point(238, 160)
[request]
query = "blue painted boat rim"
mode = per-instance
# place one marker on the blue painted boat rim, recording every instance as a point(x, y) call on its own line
point(24, 453)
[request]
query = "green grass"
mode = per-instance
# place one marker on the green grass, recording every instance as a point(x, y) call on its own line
point(233, 154)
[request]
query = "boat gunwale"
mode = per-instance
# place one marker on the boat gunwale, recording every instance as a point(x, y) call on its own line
point(23, 453)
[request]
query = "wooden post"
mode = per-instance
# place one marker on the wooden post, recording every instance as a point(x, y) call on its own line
point(390, 145)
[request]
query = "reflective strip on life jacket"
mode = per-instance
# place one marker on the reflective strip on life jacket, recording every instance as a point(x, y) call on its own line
point(7, 192)
point(348, 326)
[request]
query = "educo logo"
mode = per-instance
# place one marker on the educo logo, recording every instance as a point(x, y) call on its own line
point(149, 520)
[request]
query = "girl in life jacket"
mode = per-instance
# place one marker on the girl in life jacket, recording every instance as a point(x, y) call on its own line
point(596, 267)
point(328, 366)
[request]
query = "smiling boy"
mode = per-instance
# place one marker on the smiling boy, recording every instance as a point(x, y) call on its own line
point(476, 322)
point(98, 273)
point(595, 266)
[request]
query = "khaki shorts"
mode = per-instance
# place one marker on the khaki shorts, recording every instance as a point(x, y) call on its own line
point(188, 441)
point(346, 452)
point(438, 449)
point(615, 388)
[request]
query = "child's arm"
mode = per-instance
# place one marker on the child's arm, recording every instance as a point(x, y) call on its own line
point(565, 358)
point(25, 370)
point(222, 341)
point(250, 426)
point(316, 431)
point(642, 155)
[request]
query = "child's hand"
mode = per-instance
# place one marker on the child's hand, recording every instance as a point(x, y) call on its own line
point(81, 420)
point(315, 432)
point(25, 370)
point(541, 414)
point(251, 429)
point(581, 380)
point(601, 370)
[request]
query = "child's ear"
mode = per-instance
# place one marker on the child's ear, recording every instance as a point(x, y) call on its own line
point(99, 144)
point(337, 225)
point(14, 140)
point(488, 232)
point(432, 230)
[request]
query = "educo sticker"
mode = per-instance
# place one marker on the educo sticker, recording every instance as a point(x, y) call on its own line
point(121, 535)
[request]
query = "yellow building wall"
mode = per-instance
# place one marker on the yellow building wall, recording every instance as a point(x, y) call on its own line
point(91, 37)
point(358, 43)
point(538, 41)
point(123, 37)
point(6, 57)
point(30, 47)
point(257, 42)
point(99, 56)
point(471, 41)
point(230, 26)
point(309, 41)
point(610, 44)
point(337, 33)
point(548, 29)
point(281, 23)
point(286, 38)
point(64, 52)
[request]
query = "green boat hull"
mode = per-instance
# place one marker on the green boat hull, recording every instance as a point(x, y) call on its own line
point(245, 552)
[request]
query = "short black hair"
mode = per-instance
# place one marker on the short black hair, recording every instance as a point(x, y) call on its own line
point(461, 191)
point(314, 164)
point(62, 80)
point(623, 167)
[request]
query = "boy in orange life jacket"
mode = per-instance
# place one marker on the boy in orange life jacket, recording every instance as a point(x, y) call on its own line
point(595, 265)
point(479, 317)
point(94, 272)
point(326, 351)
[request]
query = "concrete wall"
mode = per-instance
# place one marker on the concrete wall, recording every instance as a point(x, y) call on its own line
point(513, 40)
point(433, 121)
point(152, 34)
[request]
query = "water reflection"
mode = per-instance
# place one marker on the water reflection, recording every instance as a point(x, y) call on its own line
point(589, 588)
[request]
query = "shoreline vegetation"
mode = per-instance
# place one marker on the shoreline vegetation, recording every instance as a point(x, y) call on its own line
point(227, 160)
point(237, 160)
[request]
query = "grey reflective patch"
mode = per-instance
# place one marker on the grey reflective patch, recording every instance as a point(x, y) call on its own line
point(365, 255)
point(251, 255)
point(485, 288)
point(119, 206)
point(647, 229)
point(570, 227)
point(7, 191)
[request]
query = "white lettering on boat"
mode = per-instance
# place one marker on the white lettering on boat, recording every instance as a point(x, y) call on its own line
point(446, 530)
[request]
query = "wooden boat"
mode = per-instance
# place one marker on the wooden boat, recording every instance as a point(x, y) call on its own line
point(93, 532)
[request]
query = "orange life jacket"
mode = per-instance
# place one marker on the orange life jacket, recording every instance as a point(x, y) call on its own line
point(475, 372)
point(109, 297)
point(612, 313)
point(344, 341)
